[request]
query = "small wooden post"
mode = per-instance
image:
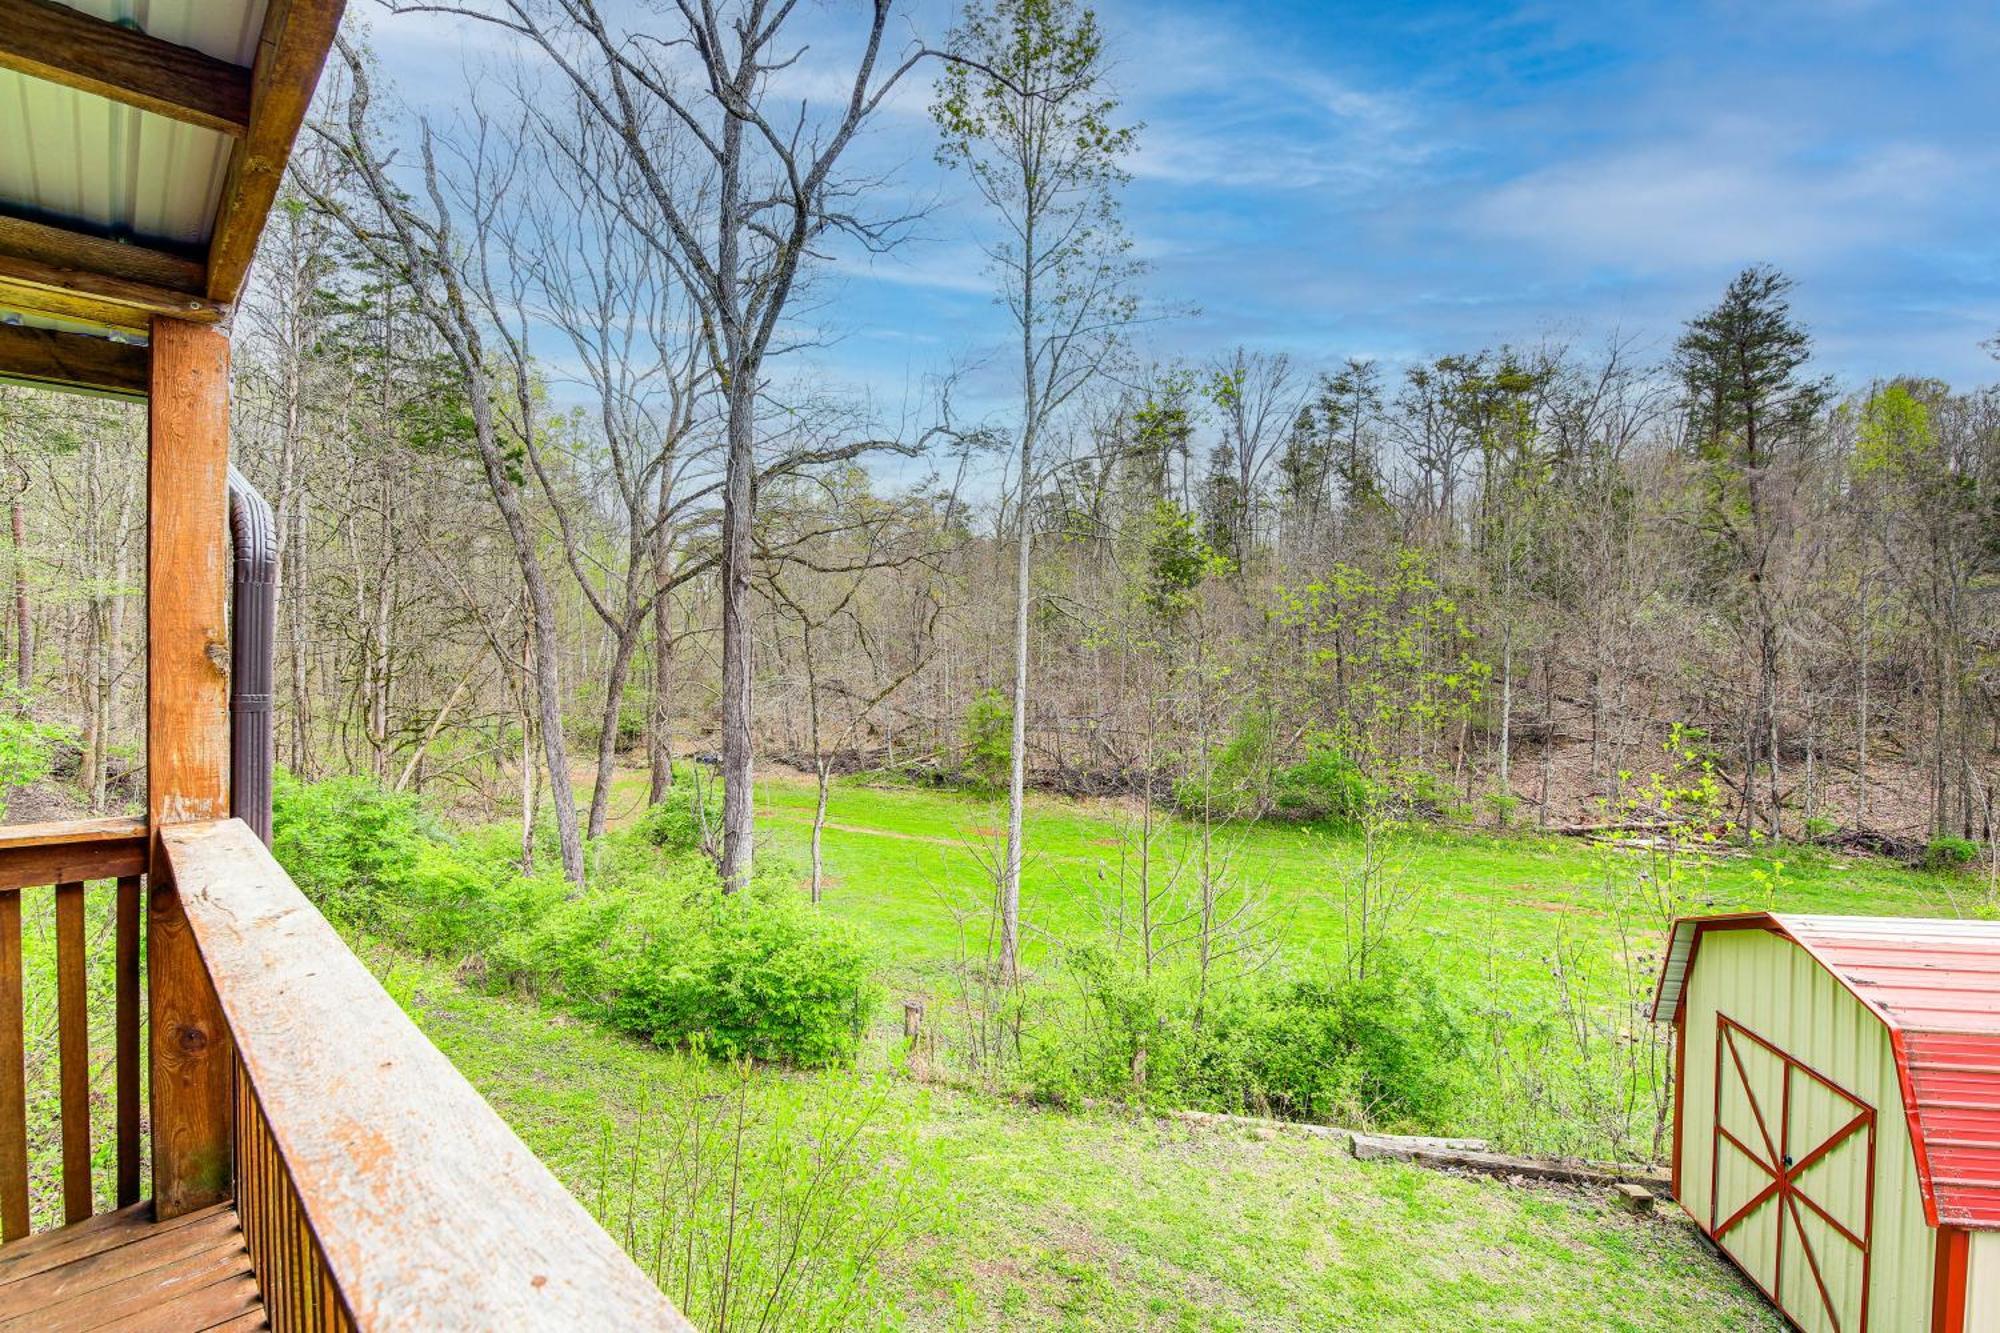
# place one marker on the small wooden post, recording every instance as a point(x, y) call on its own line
point(187, 748)
point(913, 1020)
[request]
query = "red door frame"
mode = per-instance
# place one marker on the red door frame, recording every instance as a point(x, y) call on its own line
point(1777, 1165)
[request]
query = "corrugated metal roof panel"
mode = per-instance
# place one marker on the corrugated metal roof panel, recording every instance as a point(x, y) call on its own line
point(1936, 985)
point(84, 159)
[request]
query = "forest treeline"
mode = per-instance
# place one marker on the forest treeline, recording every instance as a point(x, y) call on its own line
point(553, 497)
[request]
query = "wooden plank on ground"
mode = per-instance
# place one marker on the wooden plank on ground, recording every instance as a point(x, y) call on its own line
point(1561, 1170)
point(73, 1052)
point(63, 45)
point(187, 748)
point(93, 1272)
point(13, 1077)
point(218, 1303)
point(396, 1173)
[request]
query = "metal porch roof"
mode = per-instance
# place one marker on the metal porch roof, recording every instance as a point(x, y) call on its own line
point(1935, 985)
point(75, 158)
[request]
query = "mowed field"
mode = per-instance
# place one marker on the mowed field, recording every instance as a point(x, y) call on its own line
point(908, 864)
point(1111, 1220)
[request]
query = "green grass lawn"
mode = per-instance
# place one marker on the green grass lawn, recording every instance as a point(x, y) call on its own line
point(898, 860)
point(1111, 1221)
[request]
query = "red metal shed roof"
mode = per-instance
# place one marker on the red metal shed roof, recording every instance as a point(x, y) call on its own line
point(1936, 986)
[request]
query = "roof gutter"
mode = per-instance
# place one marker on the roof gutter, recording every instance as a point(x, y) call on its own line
point(253, 618)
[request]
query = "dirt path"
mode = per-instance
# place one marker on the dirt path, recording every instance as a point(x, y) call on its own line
point(805, 817)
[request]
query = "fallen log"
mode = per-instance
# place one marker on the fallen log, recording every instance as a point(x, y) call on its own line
point(1562, 1170)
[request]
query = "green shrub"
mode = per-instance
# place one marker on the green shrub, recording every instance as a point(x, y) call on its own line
point(989, 739)
point(657, 950)
point(1818, 827)
point(672, 824)
point(1326, 784)
point(1380, 1049)
point(27, 747)
point(348, 842)
point(1237, 783)
point(1383, 1049)
point(1949, 853)
point(757, 973)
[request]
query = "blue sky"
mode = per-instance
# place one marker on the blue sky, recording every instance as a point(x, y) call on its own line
point(1407, 180)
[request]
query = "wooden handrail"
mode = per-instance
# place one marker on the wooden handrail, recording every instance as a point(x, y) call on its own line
point(71, 851)
point(411, 1202)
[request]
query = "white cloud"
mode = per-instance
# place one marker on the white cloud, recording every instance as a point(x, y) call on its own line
point(1231, 110)
point(1727, 198)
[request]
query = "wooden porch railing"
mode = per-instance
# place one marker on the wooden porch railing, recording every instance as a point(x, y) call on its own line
point(376, 1188)
point(66, 856)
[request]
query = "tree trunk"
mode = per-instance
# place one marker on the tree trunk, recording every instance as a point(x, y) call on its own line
point(1017, 755)
point(823, 772)
point(1861, 718)
point(607, 736)
point(738, 827)
point(660, 709)
point(24, 621)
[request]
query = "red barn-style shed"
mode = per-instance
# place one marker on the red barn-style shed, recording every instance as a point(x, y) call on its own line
point(1837, 1111)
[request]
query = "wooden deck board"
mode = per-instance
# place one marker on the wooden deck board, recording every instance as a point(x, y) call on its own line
point(124, 1269)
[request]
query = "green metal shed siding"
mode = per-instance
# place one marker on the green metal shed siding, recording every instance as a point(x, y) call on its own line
point(1982, 1281)
point(1775, 989)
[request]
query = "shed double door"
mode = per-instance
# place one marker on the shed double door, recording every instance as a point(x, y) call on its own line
point(1792, 1197)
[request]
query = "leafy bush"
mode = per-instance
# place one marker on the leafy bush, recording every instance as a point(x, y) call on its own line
point(672, 825)
point(989, 738)
point(1379, 1049)
point(1237, 782)
point(655, 948)
point(757, 974)
point(27, 747)
point(1949, 853)
point(1819, 827)
point(1326, 784)
point(348, 842)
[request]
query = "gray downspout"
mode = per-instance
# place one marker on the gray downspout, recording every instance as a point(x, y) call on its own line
point(252, 642)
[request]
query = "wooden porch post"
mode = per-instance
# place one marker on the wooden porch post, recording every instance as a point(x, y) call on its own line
point(187, 747)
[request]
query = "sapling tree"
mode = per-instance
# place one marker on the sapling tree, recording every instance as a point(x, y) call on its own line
point(1026, 114)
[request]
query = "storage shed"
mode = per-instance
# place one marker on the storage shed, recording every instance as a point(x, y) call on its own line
point(1837, 1112)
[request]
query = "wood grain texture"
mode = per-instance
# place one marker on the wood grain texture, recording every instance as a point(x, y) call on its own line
point(187, 748)
point(105, 1231)
point(429, 1211)
point(62, 45)
point(73, 361)
point(124, 1270)
point(13, 1077)
point(290, 53)
point(33, 855)
point(34, 284)
point(59, 247)
point(73, 1052)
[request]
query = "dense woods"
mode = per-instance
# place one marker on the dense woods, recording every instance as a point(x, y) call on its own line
point(497, 407)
